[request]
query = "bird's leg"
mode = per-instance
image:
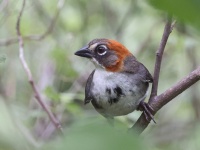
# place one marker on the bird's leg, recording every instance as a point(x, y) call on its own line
point(146, 108)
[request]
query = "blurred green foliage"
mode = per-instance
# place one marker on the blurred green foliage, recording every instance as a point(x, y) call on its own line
point(184, 10)
point(60, 76)
point(98, 135)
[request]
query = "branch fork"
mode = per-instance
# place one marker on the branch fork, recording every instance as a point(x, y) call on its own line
point(158, 101)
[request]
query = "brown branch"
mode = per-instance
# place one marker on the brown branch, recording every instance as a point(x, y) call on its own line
point(157, 102)
point(159, 55)
point(162, 99)
point(167, 30)
point(48, 31)
point(29, 74)
point(175, 90)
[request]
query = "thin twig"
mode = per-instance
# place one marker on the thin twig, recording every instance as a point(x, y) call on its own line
point(157, 102)
point(29, 74)
point(167, 30)
point(13, 40)
point(175, 90)
point(162, 99)
point(159, 55)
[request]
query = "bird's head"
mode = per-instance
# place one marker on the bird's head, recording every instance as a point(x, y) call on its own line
point(105, 53)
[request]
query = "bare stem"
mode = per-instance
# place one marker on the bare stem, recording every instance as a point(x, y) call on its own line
point(159, 54)
point(142, 123)
point(13, 40)
point(159, 101)
point(29, 74)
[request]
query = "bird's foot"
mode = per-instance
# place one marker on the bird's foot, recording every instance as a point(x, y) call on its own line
point(147, 109)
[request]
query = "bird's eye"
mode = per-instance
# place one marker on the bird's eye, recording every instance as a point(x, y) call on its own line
point(101, 50)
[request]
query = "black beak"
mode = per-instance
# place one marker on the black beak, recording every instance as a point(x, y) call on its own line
point(84, 52)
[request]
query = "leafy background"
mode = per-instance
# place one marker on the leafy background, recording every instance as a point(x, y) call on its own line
point(53, 31)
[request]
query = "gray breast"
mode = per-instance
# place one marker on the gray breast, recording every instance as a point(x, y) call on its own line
point(117, 93)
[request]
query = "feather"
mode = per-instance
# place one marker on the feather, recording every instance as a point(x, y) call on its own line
point(88, 94)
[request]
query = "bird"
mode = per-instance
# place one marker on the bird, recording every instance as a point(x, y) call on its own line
point(119, 83)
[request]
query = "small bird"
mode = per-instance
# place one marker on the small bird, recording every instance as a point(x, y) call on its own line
point(119, 84)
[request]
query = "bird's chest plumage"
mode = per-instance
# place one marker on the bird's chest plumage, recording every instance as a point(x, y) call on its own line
point(117, 94)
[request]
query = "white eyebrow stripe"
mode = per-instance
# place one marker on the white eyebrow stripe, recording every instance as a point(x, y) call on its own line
point(92, 47)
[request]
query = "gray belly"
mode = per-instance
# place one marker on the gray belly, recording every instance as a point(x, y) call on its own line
point(118, 96)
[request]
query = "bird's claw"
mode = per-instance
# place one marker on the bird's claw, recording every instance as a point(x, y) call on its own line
point(147, 109)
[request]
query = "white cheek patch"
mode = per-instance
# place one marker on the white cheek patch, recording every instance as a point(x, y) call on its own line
point(96, 63)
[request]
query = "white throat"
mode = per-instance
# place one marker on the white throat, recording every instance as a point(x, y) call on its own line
point(97, 64)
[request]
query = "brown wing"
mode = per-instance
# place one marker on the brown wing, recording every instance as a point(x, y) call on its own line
point(88, 94)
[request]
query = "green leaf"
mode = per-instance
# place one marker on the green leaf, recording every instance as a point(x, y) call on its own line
point(51, 94)
point(96, 135)
point(73, 108)
point(185, 10)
